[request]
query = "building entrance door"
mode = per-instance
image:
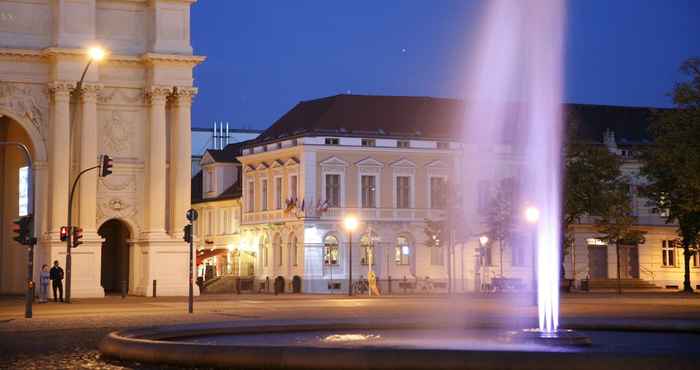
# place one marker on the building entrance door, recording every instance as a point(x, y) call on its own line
point(629, 262)
point(598, 262)
point(115, 257)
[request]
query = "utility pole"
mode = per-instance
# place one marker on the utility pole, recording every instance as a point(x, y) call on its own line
point(189, 238)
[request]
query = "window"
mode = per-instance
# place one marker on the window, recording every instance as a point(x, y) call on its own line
point(332, 141)
point(403, 192)
point(278, 193)
point(293, 249)
point(333, 190)
point(369, 142)
point(293, 187)
point(278, 249)
point(251, 196)
point(210, 179)
point(369, 191)
point(330, 250)
point(517, 255)
point(443, 145)
point(668, 253)
point(367, 245)
point(436, 256)
point(695, 257)
point(403, 144)
point(438, 193)
point(263, 194)
point(484, 194)
point(402, 251)
point(487, 258)
point(264, 251)
point(23, 191)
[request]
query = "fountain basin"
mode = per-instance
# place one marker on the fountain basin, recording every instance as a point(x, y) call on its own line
point(390, 345)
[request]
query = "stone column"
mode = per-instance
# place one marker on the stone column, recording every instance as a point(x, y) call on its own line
point(88, 158)
point(181, 157)
point(59, 149)
point(156, 161)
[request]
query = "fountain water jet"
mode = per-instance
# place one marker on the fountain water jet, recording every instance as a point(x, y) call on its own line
point(514, 109)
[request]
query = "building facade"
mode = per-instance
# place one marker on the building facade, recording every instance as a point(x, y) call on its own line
point(395, 163)
point(134, 106)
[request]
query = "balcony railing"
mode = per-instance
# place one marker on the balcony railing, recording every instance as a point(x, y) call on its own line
point(367, 214)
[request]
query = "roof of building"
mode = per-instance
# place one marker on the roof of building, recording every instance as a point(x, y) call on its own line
point(232, 192)
point(432, 118)
point(228, 154)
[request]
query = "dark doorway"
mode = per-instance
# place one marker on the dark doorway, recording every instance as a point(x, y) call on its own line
point(115, 257)
point(629, 262)
point(296, 284)
point(598, 262)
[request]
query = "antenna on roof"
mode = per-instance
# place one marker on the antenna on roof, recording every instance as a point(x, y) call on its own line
point(227, 133)
point(214, 135)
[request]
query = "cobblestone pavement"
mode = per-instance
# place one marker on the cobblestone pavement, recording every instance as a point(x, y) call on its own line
point(65, 336)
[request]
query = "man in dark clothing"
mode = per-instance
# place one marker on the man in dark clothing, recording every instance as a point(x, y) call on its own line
point(56, 276)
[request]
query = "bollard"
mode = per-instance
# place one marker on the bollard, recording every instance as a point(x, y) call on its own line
point(389, 284)
point(123, 289)
point(154, 288)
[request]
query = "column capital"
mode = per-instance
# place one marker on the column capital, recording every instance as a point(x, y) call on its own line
point(61, 88)
point(88, 92)
point(183, 95)
point(156, 94)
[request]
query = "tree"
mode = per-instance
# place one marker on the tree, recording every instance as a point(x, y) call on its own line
point(499, 219)
point(592, 176)
point(616, 224)
point(672, 163)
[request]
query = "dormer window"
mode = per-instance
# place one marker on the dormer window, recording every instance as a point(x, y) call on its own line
point(369, 142)
point(210, 180)
point(332, 141)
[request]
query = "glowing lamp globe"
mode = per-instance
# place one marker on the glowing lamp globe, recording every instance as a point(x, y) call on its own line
point(532, 215)
point(350, 223)
point(96, 53)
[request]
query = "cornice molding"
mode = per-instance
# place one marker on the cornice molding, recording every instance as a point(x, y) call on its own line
point(148, 58)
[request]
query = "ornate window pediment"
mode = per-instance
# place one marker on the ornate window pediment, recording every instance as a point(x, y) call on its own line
point(403, 163)
point(207, 159)
point(248, 168)
point(369, 162)
point(261, 167)
point(334, 161)
point(276, 163)
point(437, 164)
point(291, 162)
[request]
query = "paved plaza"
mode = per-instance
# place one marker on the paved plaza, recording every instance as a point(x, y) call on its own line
point(66, 335)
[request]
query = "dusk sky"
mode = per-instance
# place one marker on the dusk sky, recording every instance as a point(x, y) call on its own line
point(264, 56)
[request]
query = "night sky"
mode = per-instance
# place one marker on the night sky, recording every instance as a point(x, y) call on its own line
point(264, 56)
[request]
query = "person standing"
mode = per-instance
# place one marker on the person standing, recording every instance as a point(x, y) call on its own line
point(56, 275)
point(44, 278)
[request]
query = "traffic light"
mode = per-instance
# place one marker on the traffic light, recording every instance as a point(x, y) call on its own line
point(106, 165)
point(64, 233)
point(23, 228)
point(187, 233)
point(77, 235)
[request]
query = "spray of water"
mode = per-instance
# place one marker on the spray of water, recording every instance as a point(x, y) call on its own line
point(513, 126)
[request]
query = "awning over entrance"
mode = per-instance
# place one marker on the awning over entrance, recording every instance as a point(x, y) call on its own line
point(206, 253)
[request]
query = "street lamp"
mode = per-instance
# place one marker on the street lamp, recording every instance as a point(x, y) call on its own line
point(350, 222)
point(532, 216)
point(94, 54)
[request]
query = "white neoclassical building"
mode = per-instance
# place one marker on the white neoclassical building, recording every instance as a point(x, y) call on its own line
point(134, 106)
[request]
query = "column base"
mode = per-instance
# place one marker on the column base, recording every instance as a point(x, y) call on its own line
point(165, 260)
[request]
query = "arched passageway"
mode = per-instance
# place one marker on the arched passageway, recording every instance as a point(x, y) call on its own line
point(115, 270)
point(14, 193)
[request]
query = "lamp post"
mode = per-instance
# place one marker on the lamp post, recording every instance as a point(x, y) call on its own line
point(350, 222)
point(94, 54)
point(532, 216)
point(483, 240)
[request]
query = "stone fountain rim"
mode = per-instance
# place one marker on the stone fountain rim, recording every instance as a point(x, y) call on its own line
point(158, 345)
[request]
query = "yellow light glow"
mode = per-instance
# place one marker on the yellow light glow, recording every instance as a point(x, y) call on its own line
point(96, 53)
point(483, 240)
point(532, 215)
point(350, 222)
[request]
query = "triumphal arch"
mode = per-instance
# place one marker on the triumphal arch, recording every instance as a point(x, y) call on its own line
point(134, 105)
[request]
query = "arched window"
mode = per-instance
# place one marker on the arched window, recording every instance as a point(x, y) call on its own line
point(264, 251)
point(278, 249)
point(402, 251)
point(293, 249)
point(367, 244)
point(330, 250)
